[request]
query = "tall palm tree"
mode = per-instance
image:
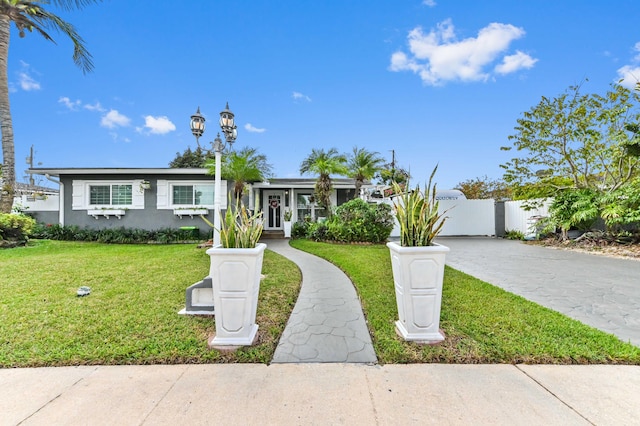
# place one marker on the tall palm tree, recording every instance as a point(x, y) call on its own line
point(363, 165)
point(324, 164)
point(242, 167)
point(29, 16)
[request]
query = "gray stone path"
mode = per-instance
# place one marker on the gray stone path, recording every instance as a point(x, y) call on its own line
point(327, 323)
point(600, 291)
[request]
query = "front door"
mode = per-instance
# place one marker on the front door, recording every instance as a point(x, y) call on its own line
point(272, 208)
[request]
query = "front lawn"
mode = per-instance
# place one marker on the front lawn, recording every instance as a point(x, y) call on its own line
point(482, 323)
point(130, 317)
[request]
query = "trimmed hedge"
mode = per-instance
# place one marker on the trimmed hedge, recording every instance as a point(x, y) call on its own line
point(113, 235)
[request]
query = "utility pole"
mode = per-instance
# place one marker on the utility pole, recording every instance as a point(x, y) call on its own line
point(393, 165)
point(30, 160)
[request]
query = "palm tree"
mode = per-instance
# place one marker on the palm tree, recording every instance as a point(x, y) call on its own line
point(244, 166)
point(324, 164)
point(363, 165)
point(29, 16)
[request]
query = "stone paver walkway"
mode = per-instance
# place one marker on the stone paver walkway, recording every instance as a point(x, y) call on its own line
point(327, 323)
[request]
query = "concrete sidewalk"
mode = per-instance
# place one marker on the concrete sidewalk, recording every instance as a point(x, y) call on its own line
point(303, 394)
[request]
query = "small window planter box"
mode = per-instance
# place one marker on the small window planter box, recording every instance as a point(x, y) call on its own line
point(190, 212)
point(107, 213)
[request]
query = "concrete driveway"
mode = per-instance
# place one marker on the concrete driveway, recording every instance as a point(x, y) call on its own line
point(600, 291)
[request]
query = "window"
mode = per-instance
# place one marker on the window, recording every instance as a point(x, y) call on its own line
point(111, 195)
point(307, 207)
point(107, 194)
point(192, 195)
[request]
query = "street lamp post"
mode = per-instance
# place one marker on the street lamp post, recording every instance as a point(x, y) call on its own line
point(229, 129)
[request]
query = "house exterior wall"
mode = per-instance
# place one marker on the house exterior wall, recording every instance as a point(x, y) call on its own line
point(147, 216)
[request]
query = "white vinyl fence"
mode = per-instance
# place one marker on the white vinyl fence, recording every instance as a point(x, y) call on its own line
point(478, 217)
point(516, 218)
point(468, 217)
point(46, 203)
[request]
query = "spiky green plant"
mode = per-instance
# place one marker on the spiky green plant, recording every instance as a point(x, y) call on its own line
point(239, 228)
point(417, 214)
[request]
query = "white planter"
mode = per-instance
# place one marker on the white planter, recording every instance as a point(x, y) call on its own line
point(190, 212)
point(417, 275)
point(236, 284)
point(287, 229)
point(96, 213)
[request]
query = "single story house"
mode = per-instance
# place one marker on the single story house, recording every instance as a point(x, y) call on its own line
point(154, 198)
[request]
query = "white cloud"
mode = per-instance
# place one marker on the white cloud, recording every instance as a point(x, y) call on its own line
point(430, 3)
point(297, 96)
point(114, 119)
point(94, 107)
point(158, 125)
point(438, 56)
point(629, 75)
point(513, 63)
point(27, 83)
point(71, 105)
point(250, 128)
point(637, 49)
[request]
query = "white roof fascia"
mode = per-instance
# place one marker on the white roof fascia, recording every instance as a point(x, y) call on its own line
point(117, 171)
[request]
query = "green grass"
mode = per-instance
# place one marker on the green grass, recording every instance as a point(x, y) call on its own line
point(130, 317)
point(482, 323)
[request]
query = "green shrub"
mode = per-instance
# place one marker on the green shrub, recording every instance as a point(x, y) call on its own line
point(574, 209)
point(318, 231)
point(300, 229)
point(353, 221)
point(359, 221)
point(16, 227)
point(514, 234)
point(621, 208)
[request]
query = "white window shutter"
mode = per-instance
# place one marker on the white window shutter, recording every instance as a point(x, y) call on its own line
point(77, 195)
point(137, 198)
point(162, 194)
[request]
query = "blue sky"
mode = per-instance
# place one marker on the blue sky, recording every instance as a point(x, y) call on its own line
point(437, 81)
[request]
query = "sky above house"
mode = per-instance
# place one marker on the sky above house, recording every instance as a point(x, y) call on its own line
point(427, 81)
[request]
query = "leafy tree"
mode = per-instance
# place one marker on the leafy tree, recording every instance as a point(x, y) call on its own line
point(484, 188)
point(324, 164)
point(191, 159)
point(29, 16)
point(363, 165)
point(389, 174)
point(242, 167)
point(633, 145)
point(575, 141)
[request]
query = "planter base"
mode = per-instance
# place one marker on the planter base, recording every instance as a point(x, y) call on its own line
point(421, 338)
point(233, 343)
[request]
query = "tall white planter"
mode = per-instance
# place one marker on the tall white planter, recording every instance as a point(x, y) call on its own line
point(287, 228)
point(235, 277)
point(417, 274)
